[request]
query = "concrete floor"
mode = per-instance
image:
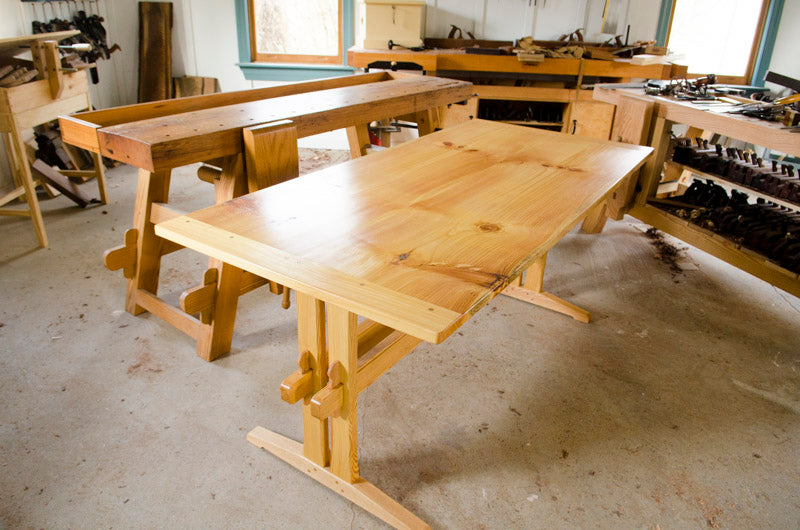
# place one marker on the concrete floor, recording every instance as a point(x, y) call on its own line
point(678, 406)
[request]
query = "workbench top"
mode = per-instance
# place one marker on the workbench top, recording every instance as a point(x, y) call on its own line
point(178, 139)
point(421, 236)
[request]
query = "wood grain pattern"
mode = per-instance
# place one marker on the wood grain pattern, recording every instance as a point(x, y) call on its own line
point(155, 51)
point(195, 136)
point(270, 154)
point(420, 236)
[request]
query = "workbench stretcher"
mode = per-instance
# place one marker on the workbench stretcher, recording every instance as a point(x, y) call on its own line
point(227, 130)
point(415, 239)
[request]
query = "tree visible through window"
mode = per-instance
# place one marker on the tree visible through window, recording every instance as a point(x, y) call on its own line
point(301, 31)
point(717, 36)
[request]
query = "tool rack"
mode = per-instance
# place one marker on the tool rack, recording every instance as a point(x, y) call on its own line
point(542, 104)
point(666, 112)
point(36, 102)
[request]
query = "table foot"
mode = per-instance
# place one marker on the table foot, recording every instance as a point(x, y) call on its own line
point(548, 301)
point(361, 492)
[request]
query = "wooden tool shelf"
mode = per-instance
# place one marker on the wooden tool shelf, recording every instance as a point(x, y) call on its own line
point(667, 112)
point(504, 78)
point(728, 184)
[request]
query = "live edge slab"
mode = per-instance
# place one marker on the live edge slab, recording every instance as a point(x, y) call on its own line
point(229, 131)
point(415, 239)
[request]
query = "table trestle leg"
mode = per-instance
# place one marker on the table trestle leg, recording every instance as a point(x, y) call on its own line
point(328, 381)
point(532, 291)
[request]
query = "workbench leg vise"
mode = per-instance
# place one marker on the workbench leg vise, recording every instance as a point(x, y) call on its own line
point(532, 291)
point(329, 382)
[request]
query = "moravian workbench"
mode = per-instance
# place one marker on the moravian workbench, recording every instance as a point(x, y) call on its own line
point(228, 130)
point(546, 94)
point(415, 239)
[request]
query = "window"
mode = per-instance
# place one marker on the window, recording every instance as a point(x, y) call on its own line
point(304, 31)
point(718, 37)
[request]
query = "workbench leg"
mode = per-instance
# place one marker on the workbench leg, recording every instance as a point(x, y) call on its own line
point(651, 171)
point(532, 291)
point(216, 337)
point(595, 219)
point(27, 183)
point(427, 121)
point(100, 175)
point(151, 187)
point(358, 138)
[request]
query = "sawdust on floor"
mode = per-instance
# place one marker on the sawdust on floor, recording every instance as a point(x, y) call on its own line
point(316, 159)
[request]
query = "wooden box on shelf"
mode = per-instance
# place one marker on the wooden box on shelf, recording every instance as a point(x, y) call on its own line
point(401, 21)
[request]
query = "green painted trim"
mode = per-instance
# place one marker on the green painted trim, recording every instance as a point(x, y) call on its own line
point(348, 27)
point(767, 44)
point(291, 72)
point(242, 30)
point(286, 71)
point(663, 22)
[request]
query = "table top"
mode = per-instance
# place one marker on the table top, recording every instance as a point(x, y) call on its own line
point(198, 135)
point(421, 236)
point(711, 117)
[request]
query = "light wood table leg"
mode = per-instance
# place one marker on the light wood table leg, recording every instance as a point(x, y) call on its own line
point(100, 175)
point(532, 291)
point(151, 187)
point(343, 348)
point(311, 457)
point(311, 338)
point(595, 220)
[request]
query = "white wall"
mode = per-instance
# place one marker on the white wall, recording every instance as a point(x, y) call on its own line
point(544, 19)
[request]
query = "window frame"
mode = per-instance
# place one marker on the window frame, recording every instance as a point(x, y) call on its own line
point(282, 72)
point(257, 57)
point(760, 51)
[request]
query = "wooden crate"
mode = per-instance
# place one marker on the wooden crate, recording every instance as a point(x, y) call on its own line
point(402, 22)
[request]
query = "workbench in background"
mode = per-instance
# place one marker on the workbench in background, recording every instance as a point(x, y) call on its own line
point(648, 120)
point(39, 101)
point(545, 95)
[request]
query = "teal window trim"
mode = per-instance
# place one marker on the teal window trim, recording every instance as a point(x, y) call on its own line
point(767, 44)
point(663, 22)
point(765, 47)
point(286, 71)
